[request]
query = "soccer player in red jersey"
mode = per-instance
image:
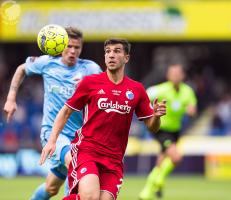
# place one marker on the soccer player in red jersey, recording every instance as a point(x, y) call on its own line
point(108, 100)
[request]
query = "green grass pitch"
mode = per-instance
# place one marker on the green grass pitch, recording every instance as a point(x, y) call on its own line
point(176, 188)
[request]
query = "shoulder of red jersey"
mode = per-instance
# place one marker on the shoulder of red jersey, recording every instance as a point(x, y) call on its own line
point(137, 83)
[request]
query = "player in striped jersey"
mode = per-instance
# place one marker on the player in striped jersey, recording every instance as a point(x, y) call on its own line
point(60, 75)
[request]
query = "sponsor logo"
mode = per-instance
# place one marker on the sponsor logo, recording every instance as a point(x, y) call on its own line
point(10, 12)
point(116, 92)
point(101, 91)
point(67, 91)
point(176, 105)
point(129, 95)
point(110, 106)
point(83, 170)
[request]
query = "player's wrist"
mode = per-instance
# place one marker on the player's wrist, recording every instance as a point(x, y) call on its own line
point(11, 98)
point(156, 117)
point(157, 120)
point(52, 140)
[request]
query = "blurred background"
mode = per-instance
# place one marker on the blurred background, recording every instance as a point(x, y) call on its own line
point(194, 33)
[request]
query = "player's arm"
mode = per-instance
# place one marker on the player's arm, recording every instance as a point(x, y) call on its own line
point(191, 108)
point(10, 105)
point(58, 125)
point(159, 109)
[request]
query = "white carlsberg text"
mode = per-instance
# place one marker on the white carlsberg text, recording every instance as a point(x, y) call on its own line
point(113, 107)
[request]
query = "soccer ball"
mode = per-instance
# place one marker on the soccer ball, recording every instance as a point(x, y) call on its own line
point(52, 39)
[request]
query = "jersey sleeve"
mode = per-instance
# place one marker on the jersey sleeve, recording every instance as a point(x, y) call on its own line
point(35, 65)
point(80, 97)
point(144, 108)
point(192, 100)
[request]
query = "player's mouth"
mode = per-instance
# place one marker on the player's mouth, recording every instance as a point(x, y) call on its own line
point(112, 62)
point(72, 58)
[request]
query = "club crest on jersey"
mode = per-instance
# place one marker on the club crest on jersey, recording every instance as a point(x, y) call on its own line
point(83, 170)
point(129, 95)
point(110, 106)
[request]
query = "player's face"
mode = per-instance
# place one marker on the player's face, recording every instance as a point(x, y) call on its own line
point(115, 57)
point(175, 74)
point(72, 52)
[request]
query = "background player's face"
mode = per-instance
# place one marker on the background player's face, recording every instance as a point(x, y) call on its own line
point(175, 74)
point(115, 57)
point(72, 52)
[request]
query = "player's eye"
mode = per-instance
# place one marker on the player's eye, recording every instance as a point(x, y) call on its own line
point(107, 51)
point(117, 50)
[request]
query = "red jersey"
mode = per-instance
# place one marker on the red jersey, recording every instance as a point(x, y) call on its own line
point(108, 110)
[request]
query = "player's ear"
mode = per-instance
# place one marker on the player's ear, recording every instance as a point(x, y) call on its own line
point(127, 57)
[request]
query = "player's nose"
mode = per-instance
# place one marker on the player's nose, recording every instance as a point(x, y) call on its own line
point(111, 55)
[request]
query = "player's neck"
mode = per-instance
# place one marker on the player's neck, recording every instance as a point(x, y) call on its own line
point(176, 86)
point(68, 64)
point(115, 76)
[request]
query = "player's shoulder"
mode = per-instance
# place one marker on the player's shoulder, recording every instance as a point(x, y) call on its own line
point(86, 62)
point(46, 58)
point(132, 81)
point(93, 77)
point(89, 66)
point(135, 84)
point(40, 59)
point(160, 86)
point(166, 84)
point(186, 86)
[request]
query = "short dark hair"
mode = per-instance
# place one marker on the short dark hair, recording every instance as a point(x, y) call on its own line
point(176, 64)
point(74, 33)
point(124, 42)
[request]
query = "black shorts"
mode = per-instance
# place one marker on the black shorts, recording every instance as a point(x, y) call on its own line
point(166, 138)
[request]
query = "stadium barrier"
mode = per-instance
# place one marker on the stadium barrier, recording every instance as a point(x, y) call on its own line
point(24, 162)
point(134, 20)
point(206, 155)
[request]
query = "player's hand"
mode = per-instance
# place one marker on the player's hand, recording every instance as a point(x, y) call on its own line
point(9, 109)
point(191, 110)
point(159, 108)
point(47, 151)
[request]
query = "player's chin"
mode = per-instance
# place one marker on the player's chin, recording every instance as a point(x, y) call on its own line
point(112, 67)
point(71, 61)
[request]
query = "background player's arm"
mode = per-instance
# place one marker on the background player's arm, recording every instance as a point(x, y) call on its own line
point(58, 125)
point(11, 106)
point(191, 110)
point(153, 123)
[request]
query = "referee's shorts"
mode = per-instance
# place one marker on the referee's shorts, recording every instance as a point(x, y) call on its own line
point(166, 138)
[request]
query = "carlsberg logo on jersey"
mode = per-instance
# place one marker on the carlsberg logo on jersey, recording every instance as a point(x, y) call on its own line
point(113, 107)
